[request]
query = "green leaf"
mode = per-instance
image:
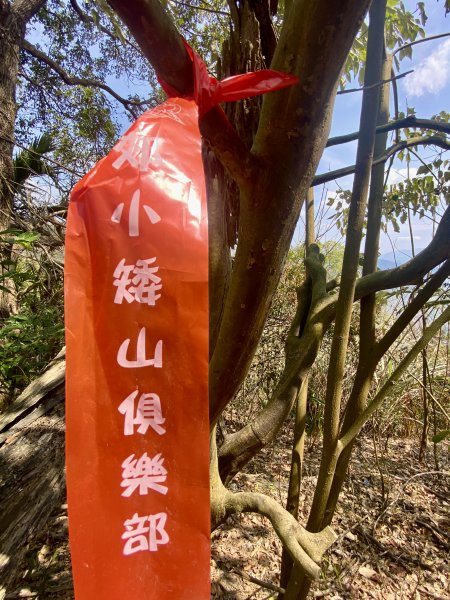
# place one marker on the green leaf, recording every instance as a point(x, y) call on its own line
point(26, 239)
point(30, 161)
point(11, 231)
point(405, 53)
point(423, 170)
point(423, 15)
point(442, 435)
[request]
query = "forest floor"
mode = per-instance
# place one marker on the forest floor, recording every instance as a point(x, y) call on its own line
point(393, 526)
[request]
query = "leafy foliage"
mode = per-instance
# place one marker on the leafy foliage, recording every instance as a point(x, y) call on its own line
point(32, 336)
point(29, 161)
point(402, 27)
point(425, 195)
point(83, 121)
point(428, 191)
point(441, 436)
point(205, 24)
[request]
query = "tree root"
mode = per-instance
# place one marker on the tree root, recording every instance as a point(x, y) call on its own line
point(305, 548)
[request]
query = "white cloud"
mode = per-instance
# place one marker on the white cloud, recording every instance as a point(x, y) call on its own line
point(401, 241)
point(408, 237)
point(432, 74)
point(398, 175)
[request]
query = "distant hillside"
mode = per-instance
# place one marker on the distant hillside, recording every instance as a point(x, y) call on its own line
point(390, 260)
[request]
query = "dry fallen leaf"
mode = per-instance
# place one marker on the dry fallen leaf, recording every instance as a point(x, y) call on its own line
point(367, 572)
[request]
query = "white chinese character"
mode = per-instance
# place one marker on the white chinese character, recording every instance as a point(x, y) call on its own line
point(148, 414)
point(144, 282)
point(141, 359)
point(135, 149)
point(168, 111)
point(133, 217)
point(144, 533)
point(144, 474)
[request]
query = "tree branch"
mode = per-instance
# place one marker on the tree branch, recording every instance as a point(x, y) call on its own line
point(433, 140)
point(305, 548)
point(155, 32)
point(25, 9)
point(413, 271)
point(387, 388)
point(74, 80)
point(379, 84)
point(157, 37)
point(357, 211)
point(408, 122)
point(222, 13)
point(301, 348)
point(88, 19)
point(426, 39)
point(412, 309)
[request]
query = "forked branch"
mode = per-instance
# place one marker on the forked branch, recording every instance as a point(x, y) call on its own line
point(305, 548)
point(154, 30)
point(430, 140)
point(129, 104)
point(305, 336)
point(410, 122)
point(387, 388)
point(301, 348)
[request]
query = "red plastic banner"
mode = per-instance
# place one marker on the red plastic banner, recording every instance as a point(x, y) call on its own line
point(208, 91)
point(137, 366)
point(136, 298)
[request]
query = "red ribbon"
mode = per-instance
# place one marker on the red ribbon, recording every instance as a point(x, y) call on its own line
point(209, 91)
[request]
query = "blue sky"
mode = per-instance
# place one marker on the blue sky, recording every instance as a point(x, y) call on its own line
point(427, 89)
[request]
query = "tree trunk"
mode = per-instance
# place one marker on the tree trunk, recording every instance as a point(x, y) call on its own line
point(297, 458)
point(32, 484)
point(14, 17)
point(10, 37)
point(425, 399)
point(31, 464)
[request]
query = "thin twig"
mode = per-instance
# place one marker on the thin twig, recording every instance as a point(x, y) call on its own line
point(368, 87)
point(210, 10)
point(426, 39)
point(260, 582)
point(89, 19)
point(128, 104)
point(430, 394)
